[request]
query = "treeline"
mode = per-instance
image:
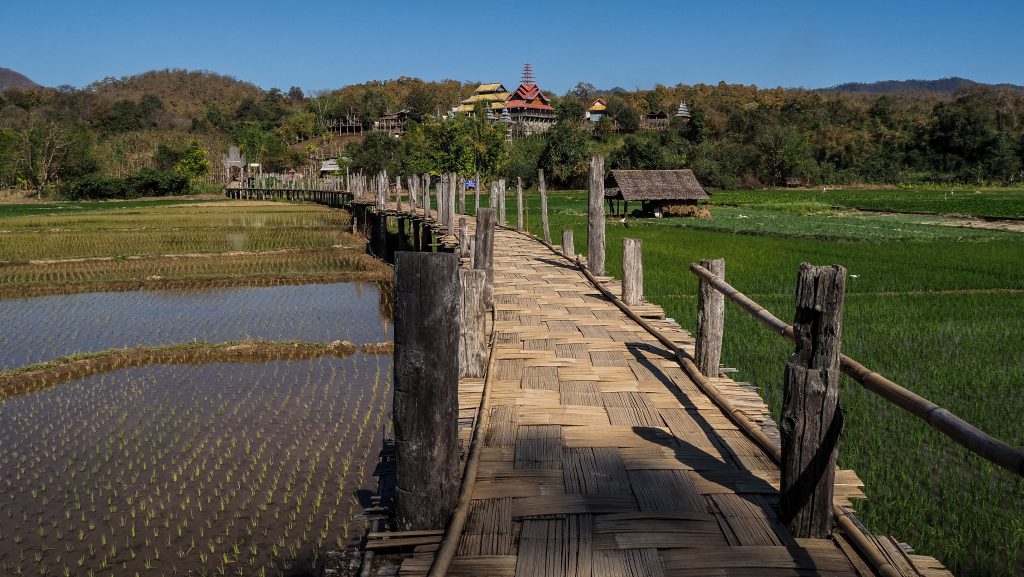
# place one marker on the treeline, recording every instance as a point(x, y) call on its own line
point(102, 136)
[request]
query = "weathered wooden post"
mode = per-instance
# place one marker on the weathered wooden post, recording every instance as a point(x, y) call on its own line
point(502, 212)
point(450, 217)
point(542, 187)
point(632, 271)
point(567, 246)
point(463, 238)
point(710, 321)
point(355, 224)
point(595, 216)
point(398, 193)
point(484, 248)
point(811, 419)
point(426, 197)
point(462, 195)
point(476, 195)
point(473, 323)
point(519, 203)
point(426, 404)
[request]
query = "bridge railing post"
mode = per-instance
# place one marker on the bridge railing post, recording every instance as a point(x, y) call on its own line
point(426, 404)
point(542, 188)
point(710, 321)
point(567, 245)
point(811, 420)
point(595, 217)
point(519, 203)
point(473, 323)
point(483, 258)
point(632, 271)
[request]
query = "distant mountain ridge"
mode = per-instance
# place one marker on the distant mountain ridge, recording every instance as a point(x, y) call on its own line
point(948, 86)
point(12, 79)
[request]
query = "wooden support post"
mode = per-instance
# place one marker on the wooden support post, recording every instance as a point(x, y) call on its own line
point(463, 238)
point(473, 324)
point(543, 188)
point(595, 216)
point(811, 418)
point(450, 216)
point(484, 257)
point(417, 239)
point(426, 404)
point(355, 224)
point(710, 321)
point(476, 195)
point(502, 212)
point(567, 246)
point(519, 203)
point(398, 193)
point(462, 195)
point(426, 197)
point(632, 271)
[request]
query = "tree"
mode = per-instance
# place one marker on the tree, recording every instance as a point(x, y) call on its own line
point(194, 163)
point(377, 152)
point(620, 111)
point(584, 91)
point(564, 158)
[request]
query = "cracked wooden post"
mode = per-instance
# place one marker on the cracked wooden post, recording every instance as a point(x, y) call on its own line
point(450, 210)
point(567, 246)
point(473, 323)
point(811, 420)
point(632, 271)
point(595, 217)
point(484, 251)
point(542, 187)
point(519, 203)
point(426, 404)
point(710, 321)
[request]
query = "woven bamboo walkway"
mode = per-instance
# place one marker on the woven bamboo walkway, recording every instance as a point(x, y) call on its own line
point(603, 459)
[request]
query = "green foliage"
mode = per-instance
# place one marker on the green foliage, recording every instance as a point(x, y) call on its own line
point(146, 182)
point(565, 157)
point(193, 164)
point(377, 152)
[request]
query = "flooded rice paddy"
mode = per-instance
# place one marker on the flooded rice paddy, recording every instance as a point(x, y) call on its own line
point(34, 330)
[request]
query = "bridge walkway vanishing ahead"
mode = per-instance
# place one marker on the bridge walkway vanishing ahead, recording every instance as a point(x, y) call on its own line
point(602, 458)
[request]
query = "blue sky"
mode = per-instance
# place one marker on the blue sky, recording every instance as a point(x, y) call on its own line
point(631, 44)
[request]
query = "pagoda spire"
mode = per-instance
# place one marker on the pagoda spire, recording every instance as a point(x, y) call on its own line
point(528, 74)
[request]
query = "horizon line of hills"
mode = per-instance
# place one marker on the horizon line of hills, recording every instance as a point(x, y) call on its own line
point(945, 86)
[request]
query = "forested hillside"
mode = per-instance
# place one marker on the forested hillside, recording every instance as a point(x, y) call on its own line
point(174, 124)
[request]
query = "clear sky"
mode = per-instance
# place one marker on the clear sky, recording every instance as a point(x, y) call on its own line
point(628, 43)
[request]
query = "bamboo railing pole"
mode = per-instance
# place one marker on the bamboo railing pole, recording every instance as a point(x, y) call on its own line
point(967, 435)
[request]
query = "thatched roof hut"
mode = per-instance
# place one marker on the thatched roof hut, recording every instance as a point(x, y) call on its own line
point(656, 190)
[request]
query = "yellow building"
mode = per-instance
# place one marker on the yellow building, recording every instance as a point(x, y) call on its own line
point(494, 95)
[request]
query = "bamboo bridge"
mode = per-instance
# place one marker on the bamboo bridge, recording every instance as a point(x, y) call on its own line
point(585, 439)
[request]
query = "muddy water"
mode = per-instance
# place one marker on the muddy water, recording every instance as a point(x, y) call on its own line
point(178, 469)
point(44, 328)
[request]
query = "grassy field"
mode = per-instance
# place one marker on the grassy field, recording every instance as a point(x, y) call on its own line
point(938, 309)
point(986, 203)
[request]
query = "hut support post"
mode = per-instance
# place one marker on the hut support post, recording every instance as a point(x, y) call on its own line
point(710, 321)
point(811, 420)
point(426, 405)
point(632, 271)
point(595, 216)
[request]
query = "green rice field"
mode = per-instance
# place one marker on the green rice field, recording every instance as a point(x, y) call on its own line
point(938, 309)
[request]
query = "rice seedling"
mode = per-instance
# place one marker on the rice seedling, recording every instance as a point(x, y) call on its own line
point(244, 453)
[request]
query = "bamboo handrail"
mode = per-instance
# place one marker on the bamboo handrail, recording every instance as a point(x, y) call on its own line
point(940, 419)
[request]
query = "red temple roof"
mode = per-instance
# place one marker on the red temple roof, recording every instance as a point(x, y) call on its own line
point(528, 96)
